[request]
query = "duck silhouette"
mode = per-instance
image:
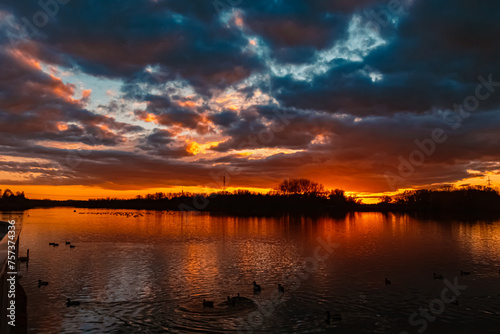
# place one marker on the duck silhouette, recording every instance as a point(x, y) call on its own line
point(335, 317)
point(70, 303)
point(230, 301)
point(437, 276)
point(25, 258)
point(226, 302)
point(207, 303)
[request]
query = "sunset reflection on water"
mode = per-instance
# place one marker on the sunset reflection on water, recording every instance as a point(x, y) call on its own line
point(137, 272)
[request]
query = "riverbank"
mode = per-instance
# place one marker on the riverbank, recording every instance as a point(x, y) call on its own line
point(469, 203)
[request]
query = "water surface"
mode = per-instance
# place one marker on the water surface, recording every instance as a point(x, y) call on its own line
point(147, 271)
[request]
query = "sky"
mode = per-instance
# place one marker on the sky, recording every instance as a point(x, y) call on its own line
point(119, 98)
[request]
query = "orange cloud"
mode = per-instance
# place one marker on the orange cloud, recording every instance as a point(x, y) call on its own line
point(195, 148)
point(147, 117)
point(25, 58)
point(189, 104)
point(86, 94)
point(238, 19)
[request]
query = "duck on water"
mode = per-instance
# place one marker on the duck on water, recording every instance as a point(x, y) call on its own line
point(256, 287)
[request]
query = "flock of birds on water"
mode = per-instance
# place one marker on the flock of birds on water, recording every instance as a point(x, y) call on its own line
point(127, 214)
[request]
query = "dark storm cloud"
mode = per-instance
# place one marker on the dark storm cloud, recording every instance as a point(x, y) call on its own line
point(160, 137)
point(433, 62)
point(161, 143)
point(119, 39)
point(296, 30)
point(224, 118)
point(268, 127)
point(174, 116)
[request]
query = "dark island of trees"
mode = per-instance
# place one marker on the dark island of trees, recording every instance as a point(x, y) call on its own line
point(292, 196)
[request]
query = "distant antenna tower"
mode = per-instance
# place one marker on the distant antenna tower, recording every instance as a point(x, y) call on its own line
point(224, 185)
point(489, 182)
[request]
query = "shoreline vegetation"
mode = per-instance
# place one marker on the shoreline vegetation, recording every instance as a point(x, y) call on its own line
point(292, 196)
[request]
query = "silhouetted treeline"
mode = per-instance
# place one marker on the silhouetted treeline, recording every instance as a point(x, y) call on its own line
point(474, 200)
point(292, 196)
point(14, 201)
point(239, 203)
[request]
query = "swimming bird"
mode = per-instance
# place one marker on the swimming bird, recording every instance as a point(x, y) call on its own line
point(40, 283)
point(232, 301)
point(437, 276)
point(281, 289)
point(227, 302)
point(464, 272)
point(54, 244)
point(70, 303)
point(68, 243)
point(72, 246)
point(25, 258)
point(256, 287)
point(207, 303)
point(335, 317)
point(387, 282)
point(51, 244)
